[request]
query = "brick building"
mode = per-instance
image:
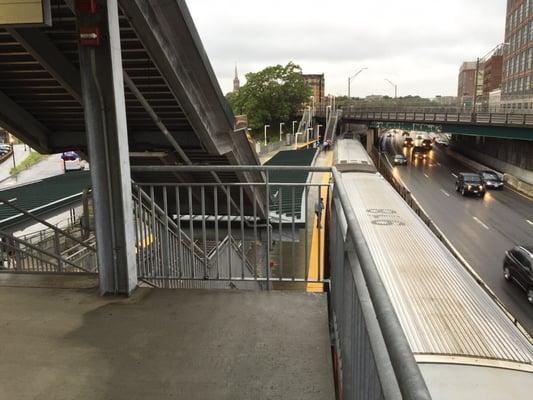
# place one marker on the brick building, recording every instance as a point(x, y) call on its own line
point(466, 85)
point(517, 84)
point(317, 84)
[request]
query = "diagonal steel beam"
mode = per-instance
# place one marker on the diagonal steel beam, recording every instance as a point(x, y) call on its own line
point(50, 57)
point(22, 124)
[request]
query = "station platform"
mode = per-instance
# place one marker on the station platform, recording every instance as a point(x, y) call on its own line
point(164, 344)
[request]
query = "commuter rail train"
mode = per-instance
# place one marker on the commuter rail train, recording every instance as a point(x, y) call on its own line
point(464, 343)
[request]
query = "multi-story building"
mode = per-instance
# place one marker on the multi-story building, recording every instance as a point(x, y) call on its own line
point(466, 84)
point(517, 84)
point(317, 84)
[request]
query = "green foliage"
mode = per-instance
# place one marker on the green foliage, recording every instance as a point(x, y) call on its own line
point(29, 161)
point(271, 96)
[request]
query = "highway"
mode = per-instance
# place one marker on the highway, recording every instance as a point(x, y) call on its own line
point(480, 229)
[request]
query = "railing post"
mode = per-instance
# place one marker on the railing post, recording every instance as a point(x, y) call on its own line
point(267, 205)
point(57, 251)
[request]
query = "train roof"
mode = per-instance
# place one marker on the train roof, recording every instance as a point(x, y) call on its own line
point(444, 312)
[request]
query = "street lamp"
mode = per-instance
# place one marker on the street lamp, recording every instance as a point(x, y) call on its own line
point(280, 131)
point(11, 142)
point(476, 85)
point(395, 86)
point(266, 126)
point(309, 130)
point(328, 108)
point(293, 124)
point(350, 79)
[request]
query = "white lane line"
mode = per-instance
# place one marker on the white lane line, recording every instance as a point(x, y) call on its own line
point(481, 223)
point(454, 175)
point(426, 175)
point(445, 193)
point(529, 222)
point(438, 164)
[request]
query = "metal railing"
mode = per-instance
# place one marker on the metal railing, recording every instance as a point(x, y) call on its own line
point(263, 252)
point(60, 250)
point(438, 116)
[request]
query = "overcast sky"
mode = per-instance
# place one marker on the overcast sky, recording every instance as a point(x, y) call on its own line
point(418, 44)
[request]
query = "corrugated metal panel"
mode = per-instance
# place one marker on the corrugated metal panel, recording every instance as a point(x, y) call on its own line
point(441, 308)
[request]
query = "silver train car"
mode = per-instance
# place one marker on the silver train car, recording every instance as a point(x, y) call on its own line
point(464, 343)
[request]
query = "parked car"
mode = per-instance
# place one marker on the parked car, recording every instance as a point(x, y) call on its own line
point(491, 180)
point(399, 159)
point(408, 142)
point(5, 147)
point(470, 183)
point(518, 267)
point(72, 161)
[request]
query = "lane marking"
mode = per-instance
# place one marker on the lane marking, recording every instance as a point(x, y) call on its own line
point(426, 175)
point(445, 193)
point(529, 222)
point(454, 175)
point(481, 223)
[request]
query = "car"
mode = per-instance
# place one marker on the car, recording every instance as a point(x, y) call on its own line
point(491, 180)
point(518, 267)
point(427, 143)
point(419, 136)
point(408, 142)
point(470, 183)
point(419, 152)
point(399, 159)
point(6, 148)
point(405, 133)
point(389, 134)
point(72, 161)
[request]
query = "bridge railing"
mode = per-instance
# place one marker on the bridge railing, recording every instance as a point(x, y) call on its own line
point(503, 119)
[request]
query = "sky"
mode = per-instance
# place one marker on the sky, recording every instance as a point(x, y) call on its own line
point(417, 44)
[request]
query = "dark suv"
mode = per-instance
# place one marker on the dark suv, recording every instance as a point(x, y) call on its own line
point(470, 183)
point(518, 266)
point(491, 180)
point(408, 142)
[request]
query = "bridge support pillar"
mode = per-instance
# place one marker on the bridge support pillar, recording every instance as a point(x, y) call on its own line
point(107, 140)
point(372, 136)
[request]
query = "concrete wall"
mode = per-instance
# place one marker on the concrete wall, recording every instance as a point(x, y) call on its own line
point(514, 157)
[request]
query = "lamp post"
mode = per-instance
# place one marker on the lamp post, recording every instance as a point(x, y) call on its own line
point(293, 124)
point(280, 129)
point(476, 75)
point(318, 132)
point(11, 142)
point(266, 127)
point(395, 86)
point(351, 78)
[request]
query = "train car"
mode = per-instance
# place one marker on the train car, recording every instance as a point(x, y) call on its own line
point(465, 344)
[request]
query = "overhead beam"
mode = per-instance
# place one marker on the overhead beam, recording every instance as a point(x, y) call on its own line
point(22, 124)
point(48, 55)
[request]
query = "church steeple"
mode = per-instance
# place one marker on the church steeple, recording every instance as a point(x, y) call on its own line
point(236, 82)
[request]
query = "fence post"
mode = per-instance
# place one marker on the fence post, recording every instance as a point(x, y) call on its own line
point(57, 251)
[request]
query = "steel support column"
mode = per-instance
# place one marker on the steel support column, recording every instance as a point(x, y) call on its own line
point(107, 140)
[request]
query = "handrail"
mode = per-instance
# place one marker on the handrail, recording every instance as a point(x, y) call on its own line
point(42, 221)
point(58, 257)
point(410, 379)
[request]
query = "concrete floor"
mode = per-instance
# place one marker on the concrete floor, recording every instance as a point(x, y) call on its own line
point(163, 344)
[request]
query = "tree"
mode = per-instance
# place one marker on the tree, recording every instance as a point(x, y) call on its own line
point(271, 96)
